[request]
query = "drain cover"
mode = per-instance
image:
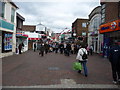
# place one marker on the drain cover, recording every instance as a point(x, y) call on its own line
point(53, 68)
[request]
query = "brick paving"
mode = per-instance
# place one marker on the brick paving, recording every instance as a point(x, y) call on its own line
point(30, 69)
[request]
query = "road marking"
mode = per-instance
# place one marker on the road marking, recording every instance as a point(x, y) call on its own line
point(68, 82)
point(97, 86)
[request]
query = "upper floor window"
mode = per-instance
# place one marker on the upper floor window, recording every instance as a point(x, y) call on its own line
point(84, 25)
point(2, 9)
point(12, 15)
point(103, 6)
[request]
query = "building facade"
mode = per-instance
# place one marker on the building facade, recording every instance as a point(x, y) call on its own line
point(80, 28)
point(20, 36)
point(7, 28)
point(110, 27)
point(94, 37)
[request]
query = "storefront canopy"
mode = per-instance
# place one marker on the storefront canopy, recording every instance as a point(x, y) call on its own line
point(21, 35)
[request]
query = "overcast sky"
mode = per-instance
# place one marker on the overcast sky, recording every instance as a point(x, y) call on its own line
point(55, 14)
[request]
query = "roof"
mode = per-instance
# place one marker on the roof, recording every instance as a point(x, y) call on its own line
point(80, 20)
point(96, 10)
point(30, 28)
point(11, 2)
point(21, 17)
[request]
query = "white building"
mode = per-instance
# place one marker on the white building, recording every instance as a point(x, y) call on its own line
point(94, 38)
point(7, 28)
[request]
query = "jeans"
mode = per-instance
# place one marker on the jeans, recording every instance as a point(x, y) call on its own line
point(115, 71)
point(84, 67)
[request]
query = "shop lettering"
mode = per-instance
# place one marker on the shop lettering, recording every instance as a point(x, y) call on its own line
point(104, 28)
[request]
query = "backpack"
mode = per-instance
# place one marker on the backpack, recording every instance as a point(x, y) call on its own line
point(84, 56)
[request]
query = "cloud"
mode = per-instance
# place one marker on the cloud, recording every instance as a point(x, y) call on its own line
point(55, 15)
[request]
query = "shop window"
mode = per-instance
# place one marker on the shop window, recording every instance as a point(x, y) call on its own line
point(2, 9)
point(12, 15)
point(6, 42)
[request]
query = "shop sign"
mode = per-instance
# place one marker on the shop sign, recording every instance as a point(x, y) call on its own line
point(6, 25)
point(113, 25)
point(109, 27)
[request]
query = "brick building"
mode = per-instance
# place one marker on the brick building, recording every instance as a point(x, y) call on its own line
point(110, 27)
point(80, 28)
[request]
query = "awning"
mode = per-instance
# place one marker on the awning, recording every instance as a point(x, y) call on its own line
point(33, 38)
point(21, 35)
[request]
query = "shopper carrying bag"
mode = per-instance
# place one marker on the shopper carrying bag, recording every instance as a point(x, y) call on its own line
point(82, 58)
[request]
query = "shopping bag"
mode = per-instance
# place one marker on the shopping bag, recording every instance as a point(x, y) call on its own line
point(77, 66)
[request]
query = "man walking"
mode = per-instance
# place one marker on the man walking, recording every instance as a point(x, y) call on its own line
point(82, 57)
point(114, 58)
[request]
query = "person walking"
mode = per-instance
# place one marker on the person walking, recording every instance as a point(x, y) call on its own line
point(56, 47)
point(82, 57)
point(91, 49)
point(114, 58)
point(20, 48)
point(41, 48)
point(34, 47)
point(68, 49)
point(72, 48)
point(61, 47)
point(46, 46)
point(88, 50)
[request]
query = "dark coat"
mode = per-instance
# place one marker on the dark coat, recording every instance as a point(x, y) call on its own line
point(41, 47)
point(114, 54)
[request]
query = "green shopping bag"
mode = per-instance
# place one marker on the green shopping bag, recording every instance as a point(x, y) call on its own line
point(77, 66)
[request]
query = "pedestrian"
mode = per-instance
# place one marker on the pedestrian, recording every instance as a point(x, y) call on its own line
point(41, 48)
point(72, 48)
point(34, 47)
point(91, 49)
point(68, 49)
point(114, 58)
point(88, 50)
point(46, 48)
point(61, 47)
point(20, 48)
point(56, 47)
point(82, 58)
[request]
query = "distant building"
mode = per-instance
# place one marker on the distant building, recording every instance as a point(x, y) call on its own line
point(32, 35)
point(7, 28)
point(94, 38)
point(110, 27)
point(80, 28)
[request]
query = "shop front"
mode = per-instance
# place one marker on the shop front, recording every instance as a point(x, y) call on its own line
point(21, 38)
point(7, 40)
point(111, 33)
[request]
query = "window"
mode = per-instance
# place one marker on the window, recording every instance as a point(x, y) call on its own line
point(84, 25)
point(103, 6)
point(119, 9)
point(12, 15)
point(103, 11)
point(83, 33)
point(2, 9)
point(103, 20)
point(103, 15)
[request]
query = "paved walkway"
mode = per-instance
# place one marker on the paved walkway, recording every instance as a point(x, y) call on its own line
point(30, 69)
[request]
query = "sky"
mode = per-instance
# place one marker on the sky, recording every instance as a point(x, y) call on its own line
point(55, 14)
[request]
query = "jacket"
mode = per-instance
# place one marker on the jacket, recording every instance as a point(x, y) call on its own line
point(114, 54)
point(80, 53)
